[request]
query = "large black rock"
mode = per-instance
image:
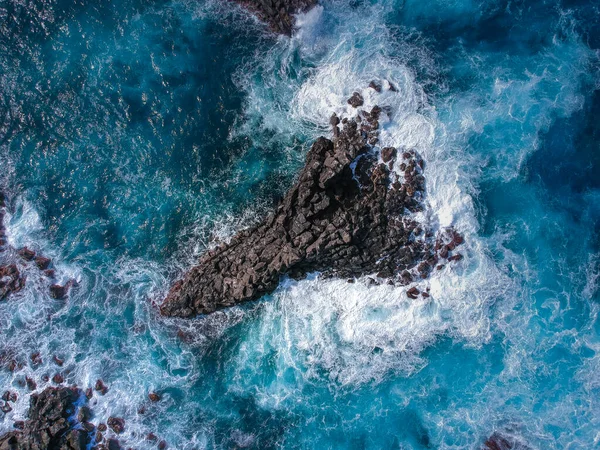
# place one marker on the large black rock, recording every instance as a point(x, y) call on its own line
point(278, 14)
point(345, 216)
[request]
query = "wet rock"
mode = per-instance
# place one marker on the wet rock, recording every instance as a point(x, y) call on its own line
point(11, 280)
point(102, 427)
point(499, 442)
point(36, 358)
point(48, 423)
point(26, 254)
point(162, 445)
point(84, 414)
point(356, 100)
point(114, 444)
point(101, 387)
point(154, 397)
point(387, 154)
point(31, 384)
point(6, 408)
point(413, 293)
point(89, 393)
point(42, 262)
point(59, 362)
point(456, 257)
point(151, 437)
point(116, 424)
point(334, 120)
point(59, 292)
point(50, 273)
point(340, 219)
point(19, 425)
point(58, 378)
point(375, 85)
point(9, 396)
point(278, 14)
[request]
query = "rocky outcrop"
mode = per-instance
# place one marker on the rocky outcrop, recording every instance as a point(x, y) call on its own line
point(12, 263)
point(346, 216)
point(50, 425)
point(278, 14)
point(59, 419)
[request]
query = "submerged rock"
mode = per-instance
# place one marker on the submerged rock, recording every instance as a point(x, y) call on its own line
point(278, 14)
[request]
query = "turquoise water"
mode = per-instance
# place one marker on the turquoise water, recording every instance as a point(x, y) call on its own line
point(133, 134)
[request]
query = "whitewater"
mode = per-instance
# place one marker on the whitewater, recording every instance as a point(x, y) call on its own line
point(136, 134)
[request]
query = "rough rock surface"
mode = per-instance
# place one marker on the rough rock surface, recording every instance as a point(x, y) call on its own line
point(346, 216)
point(57, 420)
point(498, 441)
point(278, 14)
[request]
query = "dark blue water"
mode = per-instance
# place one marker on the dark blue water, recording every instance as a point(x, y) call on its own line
point(133, 134)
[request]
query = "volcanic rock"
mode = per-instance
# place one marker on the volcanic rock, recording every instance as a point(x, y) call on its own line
point(59, 292)
point(11, 280)
point(42, 262)
point(48, 425)
point(116, 424)
point(356, 100)
point(278, 14)
point(340, 219)
point(26, 254)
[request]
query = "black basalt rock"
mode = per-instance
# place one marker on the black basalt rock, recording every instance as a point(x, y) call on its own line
point(343, 217)
point(278, 14)
point(54, 422)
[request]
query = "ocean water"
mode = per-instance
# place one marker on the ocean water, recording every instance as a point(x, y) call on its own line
point(134, 134)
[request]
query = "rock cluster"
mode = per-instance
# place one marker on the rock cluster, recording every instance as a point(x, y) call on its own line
point(278, 14)
point(57, 420)
point(11, 278)
point(346, 216)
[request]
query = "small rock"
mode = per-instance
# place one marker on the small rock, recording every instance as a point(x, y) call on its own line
point(334, 120)
point(89, 393)
point(151, 437)
point(101, 387)
point(58, 378)
point(356, 100)
point(162, 445)
point(50, 273)
point(59, 362)
point(19, 425)
point(413, 293)
point(59, 292)
point(36, 359)
point(392, 87)
point(375, 85)
point(6, 408)
point(102, 427)
point(116, 424)
point(31, 384)
point(84, 414)
point(456, 257)
point(154, 397)
point(26, 254)
point(42, 262)
point(387, 154)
